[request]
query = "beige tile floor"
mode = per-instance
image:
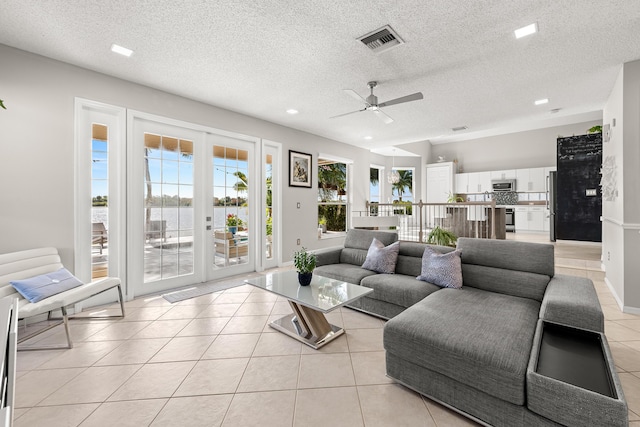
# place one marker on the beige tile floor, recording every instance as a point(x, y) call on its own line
point(214, 361)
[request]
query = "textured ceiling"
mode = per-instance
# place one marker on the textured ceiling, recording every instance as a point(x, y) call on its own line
point(261, 58)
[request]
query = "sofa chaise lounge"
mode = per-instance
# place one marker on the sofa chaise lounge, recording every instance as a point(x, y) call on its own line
point(477, 349)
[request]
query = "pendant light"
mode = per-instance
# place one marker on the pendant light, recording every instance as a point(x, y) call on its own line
point(393, 177)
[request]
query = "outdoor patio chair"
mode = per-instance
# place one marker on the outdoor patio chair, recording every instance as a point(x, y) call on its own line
point(29, 264)
point(99, 235)
point(229, 246)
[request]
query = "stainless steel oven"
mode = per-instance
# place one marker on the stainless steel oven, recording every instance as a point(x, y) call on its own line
point(510, 219)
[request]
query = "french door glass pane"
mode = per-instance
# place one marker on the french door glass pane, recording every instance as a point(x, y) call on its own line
point(168, 210)
point(230, 205)
point(99, 201)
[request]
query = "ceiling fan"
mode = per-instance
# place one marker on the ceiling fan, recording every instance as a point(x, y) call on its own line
point(371, 103)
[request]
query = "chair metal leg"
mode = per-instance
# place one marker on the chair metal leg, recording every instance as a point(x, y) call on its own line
point(65, 320)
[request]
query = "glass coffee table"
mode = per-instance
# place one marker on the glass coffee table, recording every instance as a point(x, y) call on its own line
point(308, 323)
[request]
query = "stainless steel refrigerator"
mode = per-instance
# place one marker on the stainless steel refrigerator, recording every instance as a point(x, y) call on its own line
point(552, 196)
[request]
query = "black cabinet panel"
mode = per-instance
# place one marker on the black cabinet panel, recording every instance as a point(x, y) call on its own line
point(579, 163)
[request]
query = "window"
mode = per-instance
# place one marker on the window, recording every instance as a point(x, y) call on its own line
point(230, 205)
point(168, 209)
point(99, 201)
point(375, 189)
point(402, 191)
point(332, 195)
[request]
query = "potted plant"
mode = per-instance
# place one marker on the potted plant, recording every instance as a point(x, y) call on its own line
point(439, 236)
point(233, 222)
point(322, 223)
point(454, 198)
point(304, 262)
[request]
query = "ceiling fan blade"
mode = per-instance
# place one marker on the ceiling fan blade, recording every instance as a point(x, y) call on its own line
point(346, 114)
point(383, 116)
point(355, 95)
point(413, 97)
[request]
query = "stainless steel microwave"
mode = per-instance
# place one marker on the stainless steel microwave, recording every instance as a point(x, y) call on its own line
point(500, 185)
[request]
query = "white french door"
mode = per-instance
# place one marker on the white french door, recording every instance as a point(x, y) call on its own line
point(230, 218)
point(165, 236)
point(154, 198)
point(187, 186)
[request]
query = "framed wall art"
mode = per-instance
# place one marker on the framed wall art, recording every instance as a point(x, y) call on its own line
point(299, 169)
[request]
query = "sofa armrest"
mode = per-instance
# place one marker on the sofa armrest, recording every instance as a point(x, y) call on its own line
point(572, 301)
point(328, 256)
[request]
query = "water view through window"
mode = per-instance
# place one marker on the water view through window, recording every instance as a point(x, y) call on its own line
point(168, 207)
point(99, 201)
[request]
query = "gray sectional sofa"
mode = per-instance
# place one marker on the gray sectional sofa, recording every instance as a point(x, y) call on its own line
point(485, 349)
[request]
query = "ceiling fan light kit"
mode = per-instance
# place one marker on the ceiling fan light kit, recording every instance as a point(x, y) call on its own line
point(371, 103)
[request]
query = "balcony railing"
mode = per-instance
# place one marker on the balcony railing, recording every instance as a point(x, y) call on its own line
point(416, 220)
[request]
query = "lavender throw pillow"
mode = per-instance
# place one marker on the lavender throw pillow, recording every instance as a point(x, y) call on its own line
point(381, 258)
point(444, 270)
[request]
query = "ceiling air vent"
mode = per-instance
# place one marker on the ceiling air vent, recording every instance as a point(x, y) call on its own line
point(381, 39)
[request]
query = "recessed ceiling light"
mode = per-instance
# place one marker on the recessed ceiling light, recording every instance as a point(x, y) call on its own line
point(292, 111)
point(368, 137)
point(121, 50)
point(525, 31)
point(541, 101)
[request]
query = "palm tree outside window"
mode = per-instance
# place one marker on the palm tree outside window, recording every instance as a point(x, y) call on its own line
point(332, 195)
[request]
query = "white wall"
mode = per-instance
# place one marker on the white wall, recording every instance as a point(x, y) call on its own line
point(530, 149)
point(613, 210)
point(621, 216)
point(37, 150)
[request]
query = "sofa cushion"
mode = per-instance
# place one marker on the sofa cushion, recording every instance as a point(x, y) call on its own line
point(357, 243)
point(346, 272)
point(441, 269)
point(482, 339)
point(410, 257)
point(509, 255)
point(508, 282)
point(361, 239)
point(381, 258)
point(398, 289)
point(514, 268)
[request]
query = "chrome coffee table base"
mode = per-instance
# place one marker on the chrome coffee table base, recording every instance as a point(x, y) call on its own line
point(308, 326)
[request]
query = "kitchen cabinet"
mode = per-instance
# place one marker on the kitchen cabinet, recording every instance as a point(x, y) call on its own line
point(531, 180)
point(522, 218)
point(530, 218)
point(479, 182)
point(505, 174)
point(462, 183)
point(536, 218)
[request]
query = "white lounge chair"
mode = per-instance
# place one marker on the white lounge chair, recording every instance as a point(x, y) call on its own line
point(26, 264)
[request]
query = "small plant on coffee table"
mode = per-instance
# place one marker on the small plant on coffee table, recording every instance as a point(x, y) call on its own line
point(305, 262)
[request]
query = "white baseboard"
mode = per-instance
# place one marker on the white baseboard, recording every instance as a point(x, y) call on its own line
point(614, 293)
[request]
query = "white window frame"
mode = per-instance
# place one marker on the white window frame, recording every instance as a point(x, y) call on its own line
point(87, 112)
point(349, 198)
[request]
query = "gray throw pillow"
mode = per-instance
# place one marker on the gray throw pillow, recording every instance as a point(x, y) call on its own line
point(444, 270)
point(381, 258)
